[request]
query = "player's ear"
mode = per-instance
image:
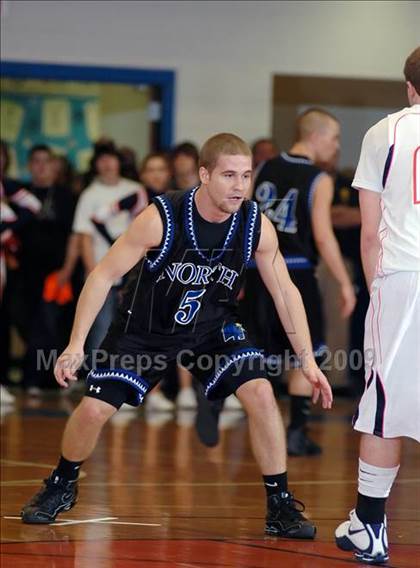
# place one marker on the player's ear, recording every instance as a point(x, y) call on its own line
point(204, 175)
point(410, 89)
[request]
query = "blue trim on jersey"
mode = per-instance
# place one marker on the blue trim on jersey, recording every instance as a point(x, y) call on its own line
point(123, 375)
point(312, 190)
point(247, 352)
point(320, 349)
point(189, 227)
point(250, 231)
point(297, 262)
point(169, 235)
point(387, 165)
point(294, 160)
point(292, 262)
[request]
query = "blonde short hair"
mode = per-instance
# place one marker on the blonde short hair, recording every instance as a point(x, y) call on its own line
point(312, 120)
point(224, 143)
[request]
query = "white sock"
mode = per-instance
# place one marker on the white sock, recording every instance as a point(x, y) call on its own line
point(376, 481)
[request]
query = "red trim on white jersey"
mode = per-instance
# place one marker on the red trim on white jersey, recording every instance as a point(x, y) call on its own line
point(416, 190)
point(416, 176)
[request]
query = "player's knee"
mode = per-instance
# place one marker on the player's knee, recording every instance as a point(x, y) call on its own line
point(265, 396)
point(258, 396)
point(96, 411)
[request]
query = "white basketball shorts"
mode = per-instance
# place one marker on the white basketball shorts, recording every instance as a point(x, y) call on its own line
point(390, 404)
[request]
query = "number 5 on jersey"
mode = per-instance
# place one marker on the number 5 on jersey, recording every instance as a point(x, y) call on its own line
point(189, 306)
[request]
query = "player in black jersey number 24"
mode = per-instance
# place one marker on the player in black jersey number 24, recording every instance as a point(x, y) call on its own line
point(161, 236)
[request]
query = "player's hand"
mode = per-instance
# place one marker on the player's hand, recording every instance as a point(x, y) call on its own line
point(320, 384)
point(67, 365)
point(347, 300)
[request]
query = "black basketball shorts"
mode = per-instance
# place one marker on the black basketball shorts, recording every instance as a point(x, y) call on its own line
point(128, 366)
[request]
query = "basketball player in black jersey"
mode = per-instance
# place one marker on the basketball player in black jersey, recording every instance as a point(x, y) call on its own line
point(296, 196)
point(187, 253)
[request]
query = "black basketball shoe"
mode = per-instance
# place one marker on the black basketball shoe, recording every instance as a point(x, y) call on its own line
point(55, 496)
point(284, 518)
point(298, 443)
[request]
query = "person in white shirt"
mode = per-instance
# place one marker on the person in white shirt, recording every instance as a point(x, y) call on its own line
point(107, 188)
point(388, 177)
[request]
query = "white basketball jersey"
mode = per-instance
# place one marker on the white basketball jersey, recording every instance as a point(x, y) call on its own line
point(399, 230)
point(397, 178)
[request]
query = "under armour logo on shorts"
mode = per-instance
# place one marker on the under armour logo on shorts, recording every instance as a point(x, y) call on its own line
point(96, 389)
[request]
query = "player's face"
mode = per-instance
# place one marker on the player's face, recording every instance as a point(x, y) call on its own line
point(229, 182)
point(328, 142)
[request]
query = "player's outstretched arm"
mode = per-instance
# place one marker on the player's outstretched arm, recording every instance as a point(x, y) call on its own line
point(327, 244)
point(370, 208)
point(145, 232)
point(290, 309)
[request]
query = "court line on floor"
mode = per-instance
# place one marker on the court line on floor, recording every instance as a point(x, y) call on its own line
point(130, 523)
point(25, 463)
point(70, 521)
point(14, 463)
point(236, 484)
point(84, 521)
point(23, 482)
point(100, 520)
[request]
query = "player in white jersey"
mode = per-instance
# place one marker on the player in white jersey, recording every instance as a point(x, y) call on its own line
point(388, 177)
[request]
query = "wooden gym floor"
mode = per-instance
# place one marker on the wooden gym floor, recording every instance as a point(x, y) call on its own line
point(152, 496)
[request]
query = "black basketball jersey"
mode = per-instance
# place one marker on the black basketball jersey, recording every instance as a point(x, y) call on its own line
point(178, 288)
point(284, 190)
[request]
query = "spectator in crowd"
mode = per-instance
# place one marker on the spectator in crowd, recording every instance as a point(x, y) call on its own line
point(9, 185)
point(184, 159)
point(155, 174)
point(263, 149)
point(64, 174)
point(95, 208)
point(129, 163)
point(88, 177)
point(44, 242)
point(18, 206)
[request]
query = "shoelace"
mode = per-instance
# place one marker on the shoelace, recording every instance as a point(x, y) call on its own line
point(295, 502)
point(295, 507)
point(292, 507)
point(49, 485)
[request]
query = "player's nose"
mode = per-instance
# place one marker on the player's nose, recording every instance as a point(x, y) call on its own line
point(239, 184)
